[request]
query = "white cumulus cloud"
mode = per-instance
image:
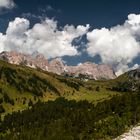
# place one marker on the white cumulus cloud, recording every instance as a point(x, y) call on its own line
point(44, 37)
point(117, 46)
point(7, 4)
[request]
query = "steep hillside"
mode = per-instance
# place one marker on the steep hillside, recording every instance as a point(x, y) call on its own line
point(128, 82)
point(21, 86)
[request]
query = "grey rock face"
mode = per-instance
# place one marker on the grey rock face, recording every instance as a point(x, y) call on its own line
point(134, 74)
point(56, 66)
point(93, 71)
point(22, 59)
point(87, 70)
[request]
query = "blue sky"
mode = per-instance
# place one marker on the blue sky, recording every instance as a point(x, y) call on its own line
point(97, 13)
point(103, 17)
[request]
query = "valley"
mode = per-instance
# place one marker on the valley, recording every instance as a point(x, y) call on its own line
point(100, 109)
point(22, 83)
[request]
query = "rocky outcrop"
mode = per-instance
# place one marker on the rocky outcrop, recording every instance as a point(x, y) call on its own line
point(13, 57)
point(87, 70)
point(56, 66)
point(135, 74)
point(92, 71)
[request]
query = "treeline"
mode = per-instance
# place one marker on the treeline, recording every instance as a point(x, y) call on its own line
point(70, 120)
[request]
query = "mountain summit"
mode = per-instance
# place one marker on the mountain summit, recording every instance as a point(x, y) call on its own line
point(87, 70)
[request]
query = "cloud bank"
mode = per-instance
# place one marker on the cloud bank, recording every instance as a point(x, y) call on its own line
point(117, 46)
point(7, 4)
point(44, 37)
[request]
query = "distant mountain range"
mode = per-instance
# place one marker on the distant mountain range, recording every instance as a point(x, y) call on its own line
point(21, 87)
point(87, 70)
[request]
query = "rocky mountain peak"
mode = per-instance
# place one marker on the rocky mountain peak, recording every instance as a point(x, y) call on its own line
point(36, 60)
point(12, 57)
point(40, 56)
point(23, 59)
point(93, 71)
point(56, 66)
point(37, 55)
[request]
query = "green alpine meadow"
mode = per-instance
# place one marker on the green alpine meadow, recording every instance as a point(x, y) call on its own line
point(39, 105)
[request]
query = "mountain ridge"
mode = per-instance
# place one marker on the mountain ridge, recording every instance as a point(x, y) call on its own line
point(88, 70)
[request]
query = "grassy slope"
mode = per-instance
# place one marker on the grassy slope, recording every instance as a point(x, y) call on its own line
point(20, 82)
